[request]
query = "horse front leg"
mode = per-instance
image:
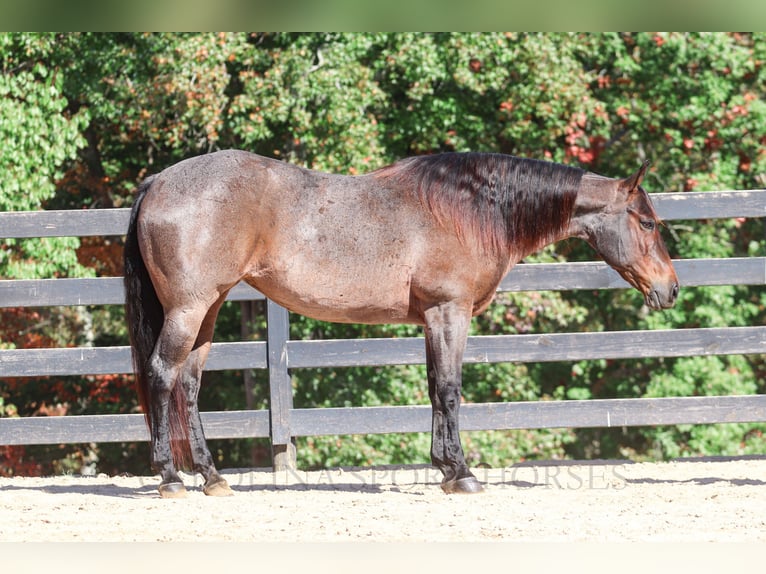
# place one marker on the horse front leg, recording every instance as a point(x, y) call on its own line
point(169, 401)
point(446, 333)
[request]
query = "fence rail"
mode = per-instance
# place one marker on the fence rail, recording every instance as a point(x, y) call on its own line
point(524, 277)
point(405, 419)
point(278, 354)
point(407, 351)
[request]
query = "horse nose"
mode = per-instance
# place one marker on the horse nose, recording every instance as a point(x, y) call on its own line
point(663, 296)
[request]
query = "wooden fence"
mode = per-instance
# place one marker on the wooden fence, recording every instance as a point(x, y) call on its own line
point(279, 354)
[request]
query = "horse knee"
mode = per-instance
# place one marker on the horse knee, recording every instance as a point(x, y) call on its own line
point(449, 396)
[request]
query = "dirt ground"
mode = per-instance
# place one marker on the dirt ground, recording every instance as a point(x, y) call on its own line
point(720, 500)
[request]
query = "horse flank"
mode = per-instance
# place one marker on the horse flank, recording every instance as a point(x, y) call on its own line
point(507, 203)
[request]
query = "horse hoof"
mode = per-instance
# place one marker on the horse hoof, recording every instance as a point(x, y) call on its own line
point(173, 490)
point(218, 488)
point(465, 485)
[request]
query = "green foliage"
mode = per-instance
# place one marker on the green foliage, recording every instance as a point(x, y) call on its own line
point(84, 117)
point(38, 137)
point(312, 100)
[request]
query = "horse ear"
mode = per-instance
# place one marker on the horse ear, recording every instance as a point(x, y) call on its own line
point(632, 182)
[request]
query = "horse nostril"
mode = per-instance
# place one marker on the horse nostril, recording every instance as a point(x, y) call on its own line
point(674, 291)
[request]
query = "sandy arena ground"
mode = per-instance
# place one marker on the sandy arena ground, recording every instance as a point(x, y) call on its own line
point(711, 500)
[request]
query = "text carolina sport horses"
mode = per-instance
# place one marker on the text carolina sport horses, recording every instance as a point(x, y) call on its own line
point(425, 241)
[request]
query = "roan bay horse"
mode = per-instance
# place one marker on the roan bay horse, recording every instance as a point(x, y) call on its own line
point(425, 241)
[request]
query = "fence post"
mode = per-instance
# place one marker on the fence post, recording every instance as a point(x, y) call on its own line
point(280, 388)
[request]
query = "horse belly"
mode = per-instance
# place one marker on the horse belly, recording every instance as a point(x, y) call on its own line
point(317, 288)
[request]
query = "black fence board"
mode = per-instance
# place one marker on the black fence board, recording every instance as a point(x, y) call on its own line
point(408, 351)
point(88, 291)
point(598, 275)
point(710, 204)
point(596, 413)
point(534, 348)
point(108, 360)
point(64, 223)
point(617, 345)
point(67, 361)
point(123, 428)
point(89, 222)
point(236, 424)
point(73, 429)
point(523, 277)
point(61, 292)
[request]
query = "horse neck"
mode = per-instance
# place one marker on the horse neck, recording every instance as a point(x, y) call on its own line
point(541, 214)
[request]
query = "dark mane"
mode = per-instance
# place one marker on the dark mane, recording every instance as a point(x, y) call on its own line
point(507, 203)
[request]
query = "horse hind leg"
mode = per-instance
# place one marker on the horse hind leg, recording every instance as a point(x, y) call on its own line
point(169, 420)
point(202, 459)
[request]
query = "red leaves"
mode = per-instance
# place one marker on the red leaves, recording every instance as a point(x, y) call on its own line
point(14, 462)
point(745, 163)
point(506, 106)
point(18, 326)
point(110, 389)
point(103, 254)
point(585, 149)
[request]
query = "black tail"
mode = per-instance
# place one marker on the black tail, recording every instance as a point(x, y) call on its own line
point(145, 317)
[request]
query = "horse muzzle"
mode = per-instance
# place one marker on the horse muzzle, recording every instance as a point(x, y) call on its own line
point(661, 296)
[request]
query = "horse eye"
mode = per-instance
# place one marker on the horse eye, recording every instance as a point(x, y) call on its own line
point(647, 224)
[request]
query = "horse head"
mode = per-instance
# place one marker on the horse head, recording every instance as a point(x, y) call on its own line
point(616, 217)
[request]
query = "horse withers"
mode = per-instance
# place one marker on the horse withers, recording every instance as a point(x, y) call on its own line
point(424, 241)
